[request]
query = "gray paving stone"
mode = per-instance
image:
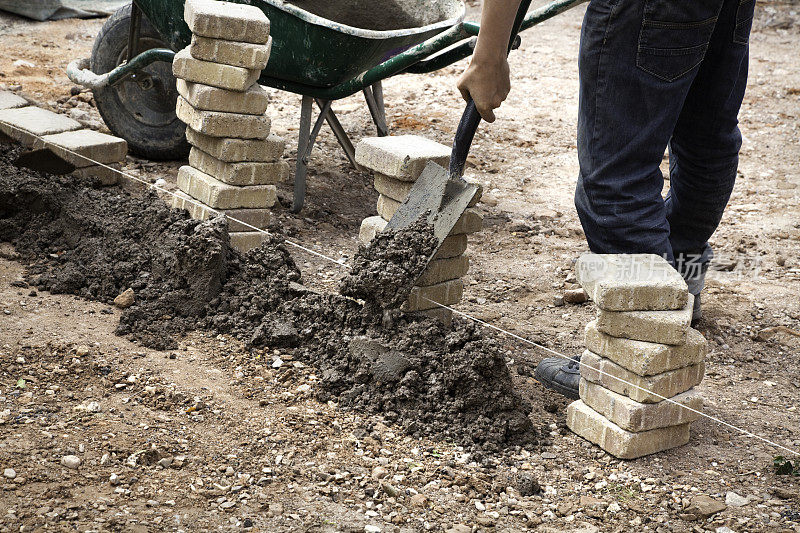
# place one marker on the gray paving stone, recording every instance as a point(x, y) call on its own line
point(253, 101)
point(631, 282)
point(253, 173)
point(9, 100)
point(185, 67)
point(258, 218)
point(226, 20)
point(238, 54)
point(370, 227)
point(238, 150)
point(401, 156)
point(441, 270)
point(665, 327)
point(244, 241)
point(447, 293)
point(646, 358)
point(594, 427)
point(24, 124)
point(84, 148)
point(645, 389)
point(219, 195)
point(219, 124)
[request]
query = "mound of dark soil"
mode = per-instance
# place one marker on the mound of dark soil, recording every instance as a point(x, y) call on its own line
point(97, 242)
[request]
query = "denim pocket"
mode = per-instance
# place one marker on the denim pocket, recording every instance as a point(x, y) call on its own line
point(675, 35)
point(744, 21)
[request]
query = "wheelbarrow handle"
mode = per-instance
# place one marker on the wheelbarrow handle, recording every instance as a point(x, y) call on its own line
point(470, 119)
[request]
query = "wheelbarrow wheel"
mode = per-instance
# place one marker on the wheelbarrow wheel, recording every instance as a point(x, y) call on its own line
point(140, 111)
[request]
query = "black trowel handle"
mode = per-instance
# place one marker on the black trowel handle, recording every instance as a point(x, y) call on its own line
point(471, 118)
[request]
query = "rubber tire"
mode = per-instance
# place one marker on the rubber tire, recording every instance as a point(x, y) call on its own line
point(144, 118)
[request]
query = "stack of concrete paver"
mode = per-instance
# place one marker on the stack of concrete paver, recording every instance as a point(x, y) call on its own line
point(234, 162)
point(396, 163)
point(640, 350)
point(38, 128)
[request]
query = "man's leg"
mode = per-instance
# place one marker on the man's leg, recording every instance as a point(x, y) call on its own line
point(705, 146)
point(638, 60)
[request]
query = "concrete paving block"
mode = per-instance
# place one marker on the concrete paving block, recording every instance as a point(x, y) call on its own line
point(219, 195)
point(238, 54)
point(101, 174)
point(392, 187)
point(610, 375)
point(441, 270)
point(24, 124)
point(244, 241)
point(253, 101)
point(254, 173)
point(84, 148)
point(638, 417)
point(478, 193)
point(226, 20)
point(219, 124)
point(387, 207)
point(452, 246)
point(646, 358)
point(185, 67)
point(594, 427)
point(370, 227)
point(447, 293)
point(470, 222)
point(401, 157)
point(9, 100)
point(631, 282)
point(238, 150)
point(665, 327)
point(239, 220)
point(445, 316)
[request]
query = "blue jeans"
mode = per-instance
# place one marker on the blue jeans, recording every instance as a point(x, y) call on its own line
point(657, 74)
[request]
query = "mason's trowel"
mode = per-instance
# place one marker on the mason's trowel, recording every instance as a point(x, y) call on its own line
point(440, 196)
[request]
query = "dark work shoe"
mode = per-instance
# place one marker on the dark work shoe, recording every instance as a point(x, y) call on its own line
point(697, 311)
point(561, 375)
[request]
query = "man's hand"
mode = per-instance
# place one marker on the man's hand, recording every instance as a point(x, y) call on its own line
point(487, 79)
point(487, 83)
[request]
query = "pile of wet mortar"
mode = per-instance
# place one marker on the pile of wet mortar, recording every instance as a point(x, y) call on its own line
point(95, 243)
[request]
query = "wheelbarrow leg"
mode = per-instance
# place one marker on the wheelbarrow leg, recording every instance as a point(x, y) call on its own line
point(305, 143)
point(374, 97)
point(338, 131)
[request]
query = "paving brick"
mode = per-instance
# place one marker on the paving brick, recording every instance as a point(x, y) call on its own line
point(255, 173)
point(84, 148)
point(470, 222)
point(244, 241)
point(401, 156)
point(253, 101)
point(9, 100)
point(478, 193)
point(219, 195)
point(226, 20)
point(101, 174)
point(219, 124)
point(185, 67)
point(638, 417)
point(445, 316)
point(392, 187)
point(238, 54)
point(238, 150)
point(452, 246)
point(664, 385)
point(24, 124)
point(646, 358)
point(594, 427)
point(665, 327)
point(370, 227)
point(447, 293)
point(387, 207)
point(259, 218)
point(441, 270)
point(631, 282)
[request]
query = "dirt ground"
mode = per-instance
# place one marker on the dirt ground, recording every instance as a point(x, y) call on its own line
point(197, 438)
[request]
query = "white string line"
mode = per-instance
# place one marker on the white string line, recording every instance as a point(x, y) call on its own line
point(663, 398)
point(342, 264)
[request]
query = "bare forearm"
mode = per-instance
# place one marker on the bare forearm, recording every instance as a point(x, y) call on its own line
point(497, 18)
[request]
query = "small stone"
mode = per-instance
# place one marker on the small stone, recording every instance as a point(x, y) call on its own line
point(114, 480)
point(486, 521)
point(575, 296)
point(480, 506)
point(371, 529)
point(82, 350)
point(527, 485)
point(703, 506)
point(459, 528)
point(379, 472)
point(390, 490)
point(401, 157)
point(418, 500)
point(631, 282)
point(9, 473)
point(125, 299)
point(735, 500)
point(71, 461)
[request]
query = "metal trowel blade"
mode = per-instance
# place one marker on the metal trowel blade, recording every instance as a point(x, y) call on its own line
point(44, 160)
point(436, 198)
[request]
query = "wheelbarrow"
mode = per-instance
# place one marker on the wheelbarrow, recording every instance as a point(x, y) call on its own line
point(318, 52)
